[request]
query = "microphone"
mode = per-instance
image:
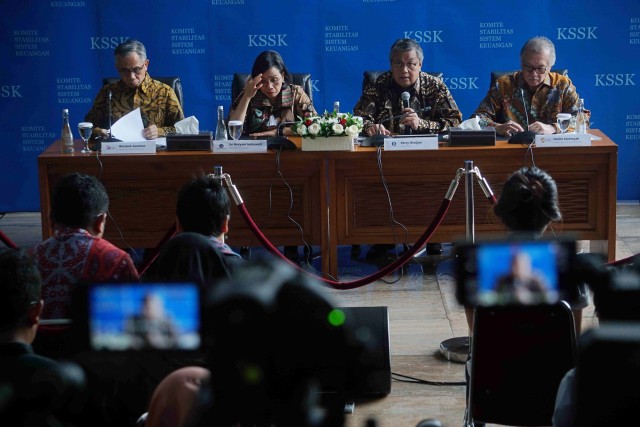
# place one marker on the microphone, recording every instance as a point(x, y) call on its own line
point(526, 110)
point(526, 136)
point(377, 140)
point(405, 104)
point(281, 142)
point(110, 138)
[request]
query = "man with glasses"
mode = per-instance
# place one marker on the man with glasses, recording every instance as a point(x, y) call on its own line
point(158, 102)
point(382, 99)
point(529, 99)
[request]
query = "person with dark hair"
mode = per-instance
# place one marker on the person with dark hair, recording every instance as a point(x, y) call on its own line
point(77, 253)
point(36, 390)
point(527, 205)
point(158, 103)
point(529, 99)
point(270, 98)
point(195, 258)
point(528, 202)
point(204, 207)
point(382, 99)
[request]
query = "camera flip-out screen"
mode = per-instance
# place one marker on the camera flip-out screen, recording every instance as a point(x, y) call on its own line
point(515, 272)
point(144, 316)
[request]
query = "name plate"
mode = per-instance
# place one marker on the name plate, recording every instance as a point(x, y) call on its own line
point(411, 142)
point(563, 140)
point(136, 147)
point(240, 146)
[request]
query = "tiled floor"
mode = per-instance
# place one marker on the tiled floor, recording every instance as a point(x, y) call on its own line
point(423, 312)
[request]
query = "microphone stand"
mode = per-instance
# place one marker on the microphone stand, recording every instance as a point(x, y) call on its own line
point(281, 142)
point(377, 140)
point(110, 138)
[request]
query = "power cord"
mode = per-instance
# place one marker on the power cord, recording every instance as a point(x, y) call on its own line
point(408, 379)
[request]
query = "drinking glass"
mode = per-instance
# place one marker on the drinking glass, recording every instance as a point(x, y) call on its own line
point(235, 129)
point(563, 121)
point(85, 129)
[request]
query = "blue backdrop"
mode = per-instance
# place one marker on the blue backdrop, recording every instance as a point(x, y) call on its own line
point(59, 51)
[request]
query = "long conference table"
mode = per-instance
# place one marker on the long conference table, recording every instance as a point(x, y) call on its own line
point(332, 198)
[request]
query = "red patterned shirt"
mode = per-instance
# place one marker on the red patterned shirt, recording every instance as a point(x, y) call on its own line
point(71, 256)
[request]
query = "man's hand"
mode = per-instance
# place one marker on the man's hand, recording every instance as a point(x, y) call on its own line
point(412, 120)
point(508, 129)
point(541, 128)
point(151, 132)
point(377, 130)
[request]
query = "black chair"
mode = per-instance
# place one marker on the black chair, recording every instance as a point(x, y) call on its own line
point(519, 355)
point(173, 82)
point(300, 79)
point(497, 74)
point(371, 76)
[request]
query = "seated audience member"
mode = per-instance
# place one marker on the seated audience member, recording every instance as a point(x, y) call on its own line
point(76, 252)
point(529, 99)
point(268, 99)
point(176, 396)
point(204, 207)
point(528, 204)
point(35, 390)
point(190, 257)
point(382, 100)
point(158, 103)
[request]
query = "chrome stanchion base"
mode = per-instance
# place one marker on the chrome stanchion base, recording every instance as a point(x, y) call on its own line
point(456, 349)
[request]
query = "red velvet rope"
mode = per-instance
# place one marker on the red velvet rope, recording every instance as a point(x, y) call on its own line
point(624, 261)
point(364, 280)
point(7, 241)
point(151, 257)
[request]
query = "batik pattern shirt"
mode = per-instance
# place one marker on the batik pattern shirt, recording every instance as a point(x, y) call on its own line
point(382, 100)
point(73, 256)
point(157, 101)
point(509, 99)
point(292, 102)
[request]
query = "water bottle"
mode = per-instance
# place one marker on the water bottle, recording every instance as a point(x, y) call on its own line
point(66, 137)
point(336, 107)
point(581, 120)
point(221, 128)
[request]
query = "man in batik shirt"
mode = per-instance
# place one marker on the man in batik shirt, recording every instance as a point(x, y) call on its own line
point(158, 103)
point(382, 99)
point(77, 253)
point(431, 108)
point(529, 99)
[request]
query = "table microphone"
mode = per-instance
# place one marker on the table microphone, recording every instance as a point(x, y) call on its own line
point(281, 142)
point(377, 140)
point(110, 138)
point(526, 136)
point(405, 104)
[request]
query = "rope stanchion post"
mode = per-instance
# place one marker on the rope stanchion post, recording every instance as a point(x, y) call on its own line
point(457, 349)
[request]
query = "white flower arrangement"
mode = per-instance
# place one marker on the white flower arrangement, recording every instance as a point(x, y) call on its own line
point(329, 124)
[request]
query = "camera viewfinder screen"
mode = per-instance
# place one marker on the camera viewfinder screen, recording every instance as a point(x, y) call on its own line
point(144, 316)
point(518, 272)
